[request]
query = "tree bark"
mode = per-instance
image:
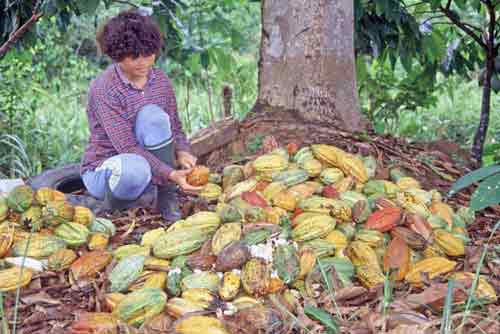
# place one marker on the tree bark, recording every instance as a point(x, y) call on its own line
point(307, 61)
point(491, 53)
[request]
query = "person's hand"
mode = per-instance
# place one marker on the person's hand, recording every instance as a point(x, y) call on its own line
point(179, 177)
point(186, 159)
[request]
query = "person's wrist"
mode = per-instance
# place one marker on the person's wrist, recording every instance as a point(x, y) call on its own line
point(172, 176)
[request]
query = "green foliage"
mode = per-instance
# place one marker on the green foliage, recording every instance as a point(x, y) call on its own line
point(46, 81)
point(42, 96)
point(387, 93)
point(488, 191)
point(323, 317)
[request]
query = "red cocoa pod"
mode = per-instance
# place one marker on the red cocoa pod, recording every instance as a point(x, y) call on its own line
point(384, 220)
point(254, 198)
point(330, 192)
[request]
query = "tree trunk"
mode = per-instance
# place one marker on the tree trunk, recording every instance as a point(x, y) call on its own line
point(307, 61)
point(491, 54)
point(484, 120)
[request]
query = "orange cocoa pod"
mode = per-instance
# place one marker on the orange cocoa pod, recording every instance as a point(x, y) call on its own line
point(397, 257)
point(384, 220)
point(419, 225)
point(413, 239)
point(95, 323)
point(198, 176)
point(261, 185)
point(292, 148)
point(90, 264)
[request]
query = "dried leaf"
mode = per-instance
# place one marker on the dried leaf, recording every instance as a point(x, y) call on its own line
point(40, 298)
point(410, 329)
point(406, 318)
point(434, 296)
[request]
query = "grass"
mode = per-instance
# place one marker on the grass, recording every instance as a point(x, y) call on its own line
point(3, 316)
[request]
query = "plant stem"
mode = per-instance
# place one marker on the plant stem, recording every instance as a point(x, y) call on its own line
point(18, 290)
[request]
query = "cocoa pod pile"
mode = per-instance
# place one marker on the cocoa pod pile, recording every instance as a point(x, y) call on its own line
point(272, 227)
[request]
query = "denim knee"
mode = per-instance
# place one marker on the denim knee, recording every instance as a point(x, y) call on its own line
point(152, 126)
point(129, 177)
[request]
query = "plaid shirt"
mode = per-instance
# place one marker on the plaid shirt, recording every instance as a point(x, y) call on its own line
point(113, 104)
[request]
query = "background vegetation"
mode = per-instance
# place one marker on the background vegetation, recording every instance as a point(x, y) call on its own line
point(44, 84)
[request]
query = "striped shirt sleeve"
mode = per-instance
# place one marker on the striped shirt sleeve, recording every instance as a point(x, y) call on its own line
point(121, 134)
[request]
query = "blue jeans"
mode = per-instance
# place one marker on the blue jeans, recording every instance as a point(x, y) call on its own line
point(127, 175)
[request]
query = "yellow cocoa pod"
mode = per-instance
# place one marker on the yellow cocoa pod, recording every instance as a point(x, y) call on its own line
point(373, 238)
point(6, 241)
point(255, 277)
point(484, 290)
point(450, 244)
point(433, 250)
point(307, 261)
point(210, 192)
point(83, 215)
point(98, 241)
point(153, 263)
point(230, 285)
point(226, 234)
point(433, 267)
point(149, 238)
point(337, 238)
point(436, 195)
point(313, 167)
point(11, 278)
point(178, 307)
point(346, 184)
point(273, 189)
point(59, 196)
point(113, 299)
point(239, 188)
point(285, 200)
point(313, 227)
point(461, 231)
point(204, 221)
point(61, 259)
point(44, 195)
point(270, 163)
point(341, 210)
point(197, 324)
point(302, 190)
point(417, 209)
point(201, 296)
point(129, 250)
point(243, 302)
point(361, 254)
point(407, 182)
point(331, 176)
point(275, 285)
point(150, 279)
point(274, 214)
point(442, 210)
point(370, 276)
point(353, 166)
point(319, 204)
point(329, 154)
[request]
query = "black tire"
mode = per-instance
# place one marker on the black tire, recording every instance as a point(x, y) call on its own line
point(67, 179)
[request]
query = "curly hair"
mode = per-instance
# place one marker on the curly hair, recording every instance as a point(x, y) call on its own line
point(130, 34)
